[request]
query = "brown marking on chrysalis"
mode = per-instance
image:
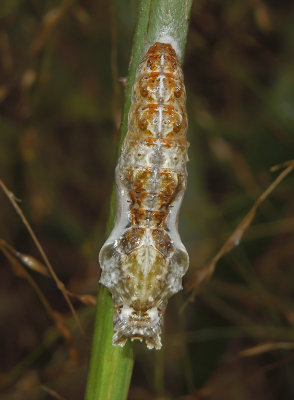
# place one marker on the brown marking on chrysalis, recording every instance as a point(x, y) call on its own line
point(131, 239)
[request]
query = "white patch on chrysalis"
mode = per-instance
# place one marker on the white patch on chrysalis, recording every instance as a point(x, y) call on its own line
point(164, 37)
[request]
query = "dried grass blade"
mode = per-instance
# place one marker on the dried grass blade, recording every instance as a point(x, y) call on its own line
point(265, 347)
point(201, 277)
point(58, 282)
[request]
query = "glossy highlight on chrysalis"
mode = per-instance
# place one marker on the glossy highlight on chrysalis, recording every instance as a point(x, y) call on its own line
point(143, 260)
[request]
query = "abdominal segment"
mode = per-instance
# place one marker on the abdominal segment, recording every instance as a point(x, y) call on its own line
point(143, 260)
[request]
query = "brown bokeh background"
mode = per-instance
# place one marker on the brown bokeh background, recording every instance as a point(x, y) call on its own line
point(60, 106)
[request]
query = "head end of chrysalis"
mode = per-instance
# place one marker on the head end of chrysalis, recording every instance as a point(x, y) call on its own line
point(129, 323)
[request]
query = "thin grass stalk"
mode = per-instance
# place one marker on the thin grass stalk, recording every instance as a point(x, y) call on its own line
point(110, 366)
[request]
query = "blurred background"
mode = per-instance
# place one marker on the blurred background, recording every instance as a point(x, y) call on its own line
point(60, 108)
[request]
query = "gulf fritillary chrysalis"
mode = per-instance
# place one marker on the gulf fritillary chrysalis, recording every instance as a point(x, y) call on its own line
point(143, 261)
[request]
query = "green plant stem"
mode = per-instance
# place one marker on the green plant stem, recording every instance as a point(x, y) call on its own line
point(110, 366)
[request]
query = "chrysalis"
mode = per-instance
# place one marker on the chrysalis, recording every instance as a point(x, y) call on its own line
point(143, 261)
